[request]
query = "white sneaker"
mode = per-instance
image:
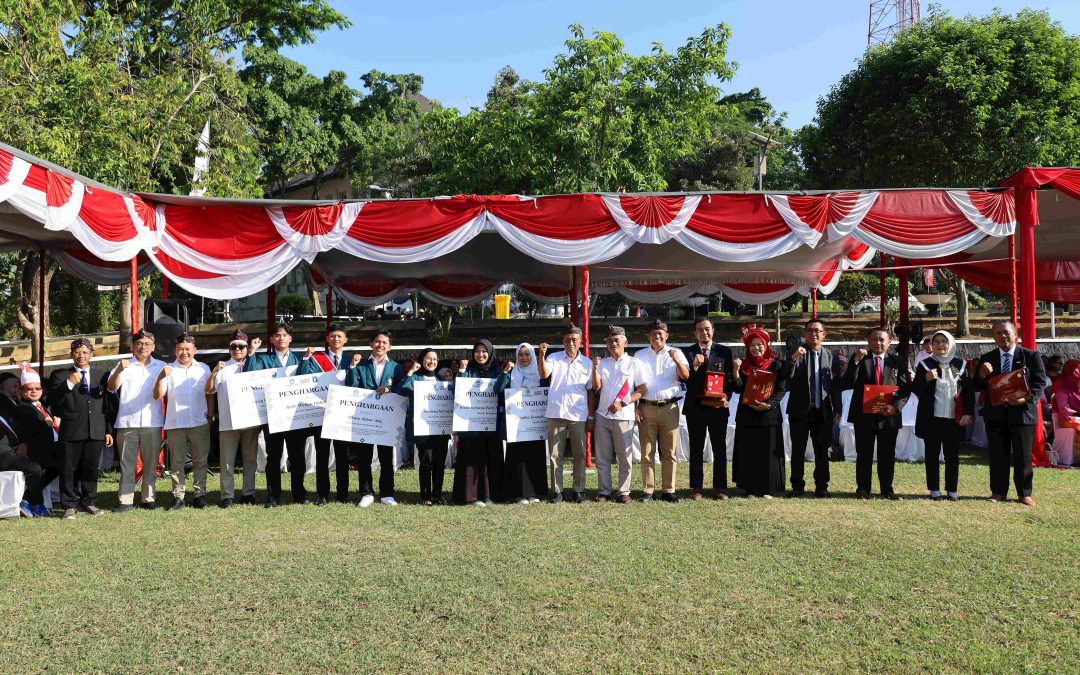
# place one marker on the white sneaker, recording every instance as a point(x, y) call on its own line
point(534, 500)
point(479, 502)
point(366, 501)
point(766, 496)
point(523, 501)
point(389, 501)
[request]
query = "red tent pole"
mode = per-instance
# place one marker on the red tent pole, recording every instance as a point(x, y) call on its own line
point(881, 294)
point(330, 306)
point(902, 274)
point(813, 300)
point(585, 347)
point(43, 308)
point(271, 313)
point(164, 287)
point(1027, 217)
point(134, 281)
point(1012, 279)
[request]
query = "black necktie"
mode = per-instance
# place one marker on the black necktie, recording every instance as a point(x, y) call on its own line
point(335, 359)
point(85, 383)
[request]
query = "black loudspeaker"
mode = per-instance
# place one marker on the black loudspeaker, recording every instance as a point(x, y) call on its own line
point(165, 319)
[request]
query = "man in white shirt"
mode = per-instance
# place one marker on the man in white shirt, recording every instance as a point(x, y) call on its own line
point(187, 418)
point(567, 409)
point(229, 438)
point(664, 369)
point(618, 385)
point(139, 419)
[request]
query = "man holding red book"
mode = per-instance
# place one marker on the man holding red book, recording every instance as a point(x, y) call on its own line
point(618, 384)
point(706, 409)
point(880, 390)
point(1010, 410)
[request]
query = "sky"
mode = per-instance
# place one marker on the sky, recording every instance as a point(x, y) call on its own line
point(794, 51)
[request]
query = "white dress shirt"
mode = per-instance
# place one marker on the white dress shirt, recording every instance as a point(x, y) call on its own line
point(380, 366)
point(186, 391)
point(661, 374)
point(612, 376)
point(570, 380)
point(138, 409)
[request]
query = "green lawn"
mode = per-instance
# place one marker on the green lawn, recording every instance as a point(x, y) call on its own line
point(745, 585)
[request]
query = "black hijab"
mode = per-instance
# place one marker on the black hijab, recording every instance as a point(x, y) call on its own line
point(420, 359)
point(492, 362)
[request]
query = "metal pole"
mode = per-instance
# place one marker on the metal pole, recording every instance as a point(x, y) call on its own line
point(1053, 320)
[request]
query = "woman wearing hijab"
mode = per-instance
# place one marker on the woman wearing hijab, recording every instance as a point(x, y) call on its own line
point(946, 402)
point(758, 461)
point(1067, 406)
point(479, 465)
point(432, 449)
point(526, 462)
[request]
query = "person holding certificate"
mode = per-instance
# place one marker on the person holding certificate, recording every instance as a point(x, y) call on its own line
point(1012, 379)
point(334, 358)
point(383, 376)
point(946, 404)
point(229, 440)
point(432, 449)
point(479, 465)
point(761, 380)
point(188, 411)
point(879, 385)
point(570, 373)
point(708, 389)
point(291, 442)
point(619, 384)
point(526, 461)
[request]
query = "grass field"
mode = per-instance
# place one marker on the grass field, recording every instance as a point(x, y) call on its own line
point(745, 585)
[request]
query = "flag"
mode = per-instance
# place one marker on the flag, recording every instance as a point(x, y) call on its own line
point(928, 276)
point(202, 161)
point(623, 390)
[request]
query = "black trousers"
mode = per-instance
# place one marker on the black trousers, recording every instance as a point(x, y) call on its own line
point(819, 432)
point(432, 451)
point(715, 425)
point(943, 437)
point(365, 452)
point(81, 460)
point(291, 442)
point(341, 468)
point(471, 467)
point(32, 473)
point(865, 436)
point(1010, 446)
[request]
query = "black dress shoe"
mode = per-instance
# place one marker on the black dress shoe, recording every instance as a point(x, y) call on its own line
point(248, 500)
point(199, 502)
point(226, 503)
point(321, 501)
point(822, 494)
point(177, 504)
point(579, 498)
point(669, 497)
point(271, 503)
point(556, 498)
point(123, 508)
point(646, 499)
point(149, 506)
point(302, 502)
point(795, 494)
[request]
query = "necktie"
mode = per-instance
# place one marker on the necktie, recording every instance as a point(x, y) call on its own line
point(1006, 362)
point(334, 358)
point(815, 382)
point(44, 414)
point(85, 383)
point(877, 369)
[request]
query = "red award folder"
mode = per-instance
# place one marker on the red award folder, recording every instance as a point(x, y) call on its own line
point(714, 385)
point(877, 396)
point(1004, 385)
point(759, 387)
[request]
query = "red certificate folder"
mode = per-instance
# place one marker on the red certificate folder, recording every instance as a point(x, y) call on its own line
point(714, 385)
point(1003, 385)
point(759, 387)
point(877, 396)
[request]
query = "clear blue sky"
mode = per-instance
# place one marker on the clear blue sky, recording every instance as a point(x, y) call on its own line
point(793, 50)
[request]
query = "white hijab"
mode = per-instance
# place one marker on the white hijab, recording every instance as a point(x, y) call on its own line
point(525, 376)
point(947, 357)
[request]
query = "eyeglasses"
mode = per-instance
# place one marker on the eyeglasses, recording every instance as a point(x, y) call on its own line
point(31, 388)
point(238, 346)
point(814, 330)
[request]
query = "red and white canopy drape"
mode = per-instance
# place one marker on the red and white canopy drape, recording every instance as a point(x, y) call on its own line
point(232, 248)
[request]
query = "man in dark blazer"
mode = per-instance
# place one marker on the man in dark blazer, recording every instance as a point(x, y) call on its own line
point(13, 457)
point(377, 373)
point(878, 367)
point(334, 358)
point(1010, 427)
point(292, 441)
point(78, 397)
point(702, 415)
point(810, 408)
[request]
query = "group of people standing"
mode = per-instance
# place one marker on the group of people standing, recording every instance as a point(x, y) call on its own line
point(612, 397)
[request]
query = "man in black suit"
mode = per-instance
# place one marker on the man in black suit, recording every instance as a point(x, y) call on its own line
point(77, 395)
point(810, 408)
point(1010, 427)
point(707, 415)
point(876, 368)
point(13, 457)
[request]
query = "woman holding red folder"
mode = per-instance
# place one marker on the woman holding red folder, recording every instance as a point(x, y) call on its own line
point(946, 403)
point(760, 381)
